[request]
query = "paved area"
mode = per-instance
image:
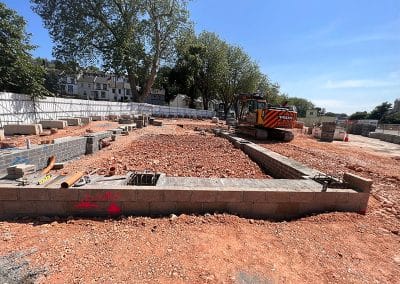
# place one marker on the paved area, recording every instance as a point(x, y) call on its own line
point(370, 144)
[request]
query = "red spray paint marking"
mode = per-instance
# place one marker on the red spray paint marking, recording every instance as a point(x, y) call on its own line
point(113, 209)
point(89, 203)
point(86, 205)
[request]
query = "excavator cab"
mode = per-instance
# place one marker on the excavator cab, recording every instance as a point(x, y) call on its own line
point(263, 120)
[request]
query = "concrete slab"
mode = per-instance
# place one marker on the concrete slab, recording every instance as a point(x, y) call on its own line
point(85, 120)
point(97, 117)
point(73, 121)
point(59, 124)
point(23, 129)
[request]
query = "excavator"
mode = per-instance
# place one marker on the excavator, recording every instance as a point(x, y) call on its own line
point(261, 120)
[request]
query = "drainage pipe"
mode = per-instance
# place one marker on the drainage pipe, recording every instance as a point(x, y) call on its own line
point(70, 180)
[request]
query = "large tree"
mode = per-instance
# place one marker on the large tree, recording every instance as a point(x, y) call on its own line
point(125, 36)
point(380, 111)
point(358, 115)
point(242, 75)
point(18, 72)
point(302, 105)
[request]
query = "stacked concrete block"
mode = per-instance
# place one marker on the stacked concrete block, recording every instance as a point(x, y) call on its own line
point(328, 131)
point(366, 129)
point(97, 117)
point(113, 117)
point(126, 127)
point(356, 129)
point(20, 170)
point(85, 120)
point(23, 129)
point(48, 124)
point(157, 123)
point(125, 121)
point(93, 141)
point(73, 121)
point(117, 131)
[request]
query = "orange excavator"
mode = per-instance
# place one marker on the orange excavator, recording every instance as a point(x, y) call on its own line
point(263, 121)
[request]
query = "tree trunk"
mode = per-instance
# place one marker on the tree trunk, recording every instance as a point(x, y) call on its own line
point(154, 68)
point(132, 83)
point(150, 80)
point(205, 102)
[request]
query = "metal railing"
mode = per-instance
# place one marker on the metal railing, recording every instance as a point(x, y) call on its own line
point(393, 129)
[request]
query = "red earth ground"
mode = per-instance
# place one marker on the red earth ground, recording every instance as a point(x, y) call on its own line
point(327, 248)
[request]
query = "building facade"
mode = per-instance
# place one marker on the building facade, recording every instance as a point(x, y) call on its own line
point(105, 87)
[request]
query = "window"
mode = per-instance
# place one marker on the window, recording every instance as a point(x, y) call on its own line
point(70, 89)
point(113, 91)
point(103, 94)
point(311, 113)
point(104, 86)
point(119, 91)
point(98, 86)
point(115, 98)
point(88, 85)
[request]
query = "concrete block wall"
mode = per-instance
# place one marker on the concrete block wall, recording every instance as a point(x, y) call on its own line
point(67, 149)
point(129, 200)
point(277, 165)
point(93, 141)
point(385, 137)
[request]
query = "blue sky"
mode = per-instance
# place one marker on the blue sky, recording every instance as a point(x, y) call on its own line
point(342, 55)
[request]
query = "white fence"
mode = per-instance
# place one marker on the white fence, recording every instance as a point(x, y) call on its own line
point(18, 108)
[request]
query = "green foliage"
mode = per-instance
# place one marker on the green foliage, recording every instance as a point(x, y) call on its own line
point(393, 118)
point(359, 115)
point(125, 36)
point(380, 111)
point(302, 105)
point(338, 115)
point(18, 72)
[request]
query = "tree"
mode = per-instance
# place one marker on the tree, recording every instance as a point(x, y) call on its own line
point(302, 105)
point(393, 118)
point(127, 37)
point(18, 72)
point(379, 111)
point(242, 75)
point(359, 115)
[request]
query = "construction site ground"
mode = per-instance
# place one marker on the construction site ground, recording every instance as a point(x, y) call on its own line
point(329, 248)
